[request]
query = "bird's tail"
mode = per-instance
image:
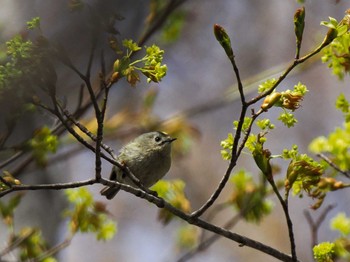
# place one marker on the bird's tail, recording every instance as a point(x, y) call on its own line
point(109, 192)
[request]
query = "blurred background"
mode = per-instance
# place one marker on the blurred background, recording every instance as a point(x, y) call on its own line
point(262, 35)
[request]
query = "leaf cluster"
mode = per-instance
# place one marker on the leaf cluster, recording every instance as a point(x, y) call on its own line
point(88, 216)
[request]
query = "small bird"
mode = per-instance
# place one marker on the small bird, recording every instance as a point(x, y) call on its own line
point(148, 157)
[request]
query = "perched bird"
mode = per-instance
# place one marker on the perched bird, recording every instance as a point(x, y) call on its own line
point(148, 157)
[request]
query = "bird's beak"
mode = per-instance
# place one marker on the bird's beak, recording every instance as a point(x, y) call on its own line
point(171, 140)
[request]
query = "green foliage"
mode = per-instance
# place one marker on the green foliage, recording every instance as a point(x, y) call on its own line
point(251, 142)
point(267, 85)
point(246, 123)
point(336, 145)
point(248, 197)
point(7, 209)
point(333, 24)
point(227, 144)
point(42, 143)
point(18, 48)
point(290, 154)
point(288, 100)
point(227, 147)
point(131, 46)
point(24, 72)
point(34, 23)
point(341, 223)
point(173, 26)
point(187, 236)
point(265, 124)
point(337, 54)
point(287, 119)
point(299, 90)
point(344, 106)
point(324, 252)
point(173, 193)
point(304, 175)
point(151, 64)
point(28, 241)
point(87, 216)
point(33, 246)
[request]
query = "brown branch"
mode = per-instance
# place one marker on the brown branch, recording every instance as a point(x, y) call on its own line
point(234, 154)
point(204, 244)
point(56, 186)
point(161, 19)
point(315, 225)
point(53, 250)
point(159, 202)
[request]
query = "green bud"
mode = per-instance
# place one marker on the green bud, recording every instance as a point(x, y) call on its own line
point(331, 35)
point(262, 159)
point(223, 39)
point(299, 24)
point(116, 65)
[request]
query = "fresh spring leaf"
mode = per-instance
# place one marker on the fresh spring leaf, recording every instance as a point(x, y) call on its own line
point(249, 197)
point(87, 216)
point(172, 192)
point(43, 142)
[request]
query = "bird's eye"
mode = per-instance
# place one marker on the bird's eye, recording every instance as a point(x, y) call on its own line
point(157, 138)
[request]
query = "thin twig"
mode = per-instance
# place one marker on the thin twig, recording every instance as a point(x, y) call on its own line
point(53, 250)
point(332, 164)
point(315, 225)
point(285, 208)
point(287, 71)
point(56, 186)
point(160, 20)
point(88, 132)
point(161, 203)
point(234, 154)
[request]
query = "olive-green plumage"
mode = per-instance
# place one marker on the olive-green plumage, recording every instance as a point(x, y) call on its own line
point(148, 157)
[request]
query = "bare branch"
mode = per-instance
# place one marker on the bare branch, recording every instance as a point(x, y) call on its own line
point(315, 225)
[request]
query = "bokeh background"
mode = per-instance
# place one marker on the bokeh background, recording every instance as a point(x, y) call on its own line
point(198, 72)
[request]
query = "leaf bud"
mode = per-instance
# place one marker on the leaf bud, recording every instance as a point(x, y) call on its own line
point(270, 100)
point(223, 39)
point(299, 24)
